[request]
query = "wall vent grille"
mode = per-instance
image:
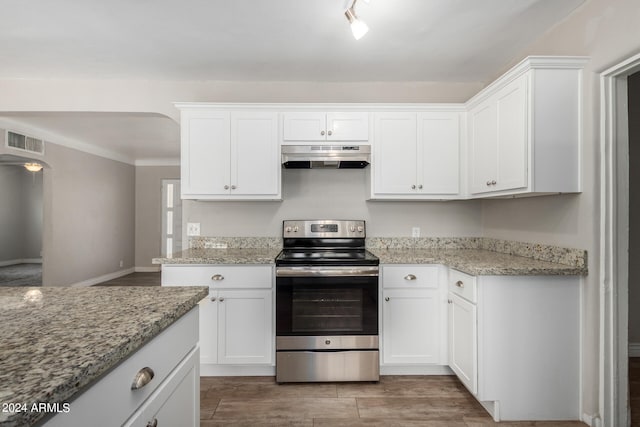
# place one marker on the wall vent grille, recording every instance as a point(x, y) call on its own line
point(25, 143)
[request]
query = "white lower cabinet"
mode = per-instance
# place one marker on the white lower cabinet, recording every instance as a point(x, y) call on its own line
point(514, 342)
point(412, 323)
point(171, 397)
point(236, 319)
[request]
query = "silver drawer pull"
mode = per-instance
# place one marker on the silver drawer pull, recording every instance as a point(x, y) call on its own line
point(460, 284)
point(153, 423)
point(386, 298)
point(221, 299)
point(217, 277)
point(143, 377)
point(213, 299)
point(410, 277)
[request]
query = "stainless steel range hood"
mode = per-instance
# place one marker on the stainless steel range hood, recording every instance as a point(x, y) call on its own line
point(326, 156)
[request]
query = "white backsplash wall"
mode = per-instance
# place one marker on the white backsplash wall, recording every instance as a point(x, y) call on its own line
point(335, 194)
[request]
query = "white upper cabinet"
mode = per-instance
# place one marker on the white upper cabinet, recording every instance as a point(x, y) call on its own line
point(229, 155)
point(524, 130)
point(416, 155)
point(320, 127)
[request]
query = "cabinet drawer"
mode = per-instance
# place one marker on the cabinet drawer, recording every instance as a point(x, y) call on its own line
point(409, 276)
point(162, 354)
point(218, 276)
point(463, 284)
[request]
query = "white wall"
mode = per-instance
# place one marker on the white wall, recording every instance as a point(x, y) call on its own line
point(332, 193)
point(88, 215)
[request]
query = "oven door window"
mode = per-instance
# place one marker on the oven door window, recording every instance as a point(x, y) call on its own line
point(327, 306)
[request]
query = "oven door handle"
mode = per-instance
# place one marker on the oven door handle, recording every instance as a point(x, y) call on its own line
point(368, 271)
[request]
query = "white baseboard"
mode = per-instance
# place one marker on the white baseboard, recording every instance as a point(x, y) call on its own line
point(153, 269)
point(209, 370)
point(592, 420)
point(416, 370)
point(104, 278)
point(21, 261)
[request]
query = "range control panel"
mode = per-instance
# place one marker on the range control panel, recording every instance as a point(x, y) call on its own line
point(324, 228)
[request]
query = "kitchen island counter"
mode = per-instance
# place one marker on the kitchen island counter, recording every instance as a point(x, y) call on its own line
point(57, 341)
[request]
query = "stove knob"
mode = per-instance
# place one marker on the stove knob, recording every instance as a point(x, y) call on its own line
point(353, 228)
point(295, 229)
point(287, 230)
point(360, 229)
point(328, 342)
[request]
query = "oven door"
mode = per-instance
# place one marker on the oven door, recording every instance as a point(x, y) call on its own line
point(326, 302)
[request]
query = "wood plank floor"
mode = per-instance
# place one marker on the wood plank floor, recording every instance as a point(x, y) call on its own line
point(430, 401)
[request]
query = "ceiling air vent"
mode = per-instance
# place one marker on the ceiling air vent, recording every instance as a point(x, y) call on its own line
point(25, 143)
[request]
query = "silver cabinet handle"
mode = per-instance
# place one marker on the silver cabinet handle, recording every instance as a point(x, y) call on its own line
point(330, 133)
point(460, 284)
point(410, 277)
point(233, 187)
point(153, 423)
point(142, 378)
point(420, 187)
point(226, 187)
point(488, 183)
point(221, 299)
point(322, 132)
point(413, 187)
point(213, 299)
point(386, 298)
point(217, 277)
point(449, 301)
point(493, 182)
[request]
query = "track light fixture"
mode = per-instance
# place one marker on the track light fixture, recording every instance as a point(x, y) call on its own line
point(358, 27)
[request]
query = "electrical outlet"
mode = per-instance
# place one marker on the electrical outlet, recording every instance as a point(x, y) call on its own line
point(193, 229)
point(415, 232)
point(121, 263)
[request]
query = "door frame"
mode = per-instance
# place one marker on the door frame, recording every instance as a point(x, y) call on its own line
point(614, 243)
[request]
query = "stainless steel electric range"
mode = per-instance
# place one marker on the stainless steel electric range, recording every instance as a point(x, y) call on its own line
point(326, 303)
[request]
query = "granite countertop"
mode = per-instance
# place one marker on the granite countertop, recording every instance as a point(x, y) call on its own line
point(222, 256)
point(478, 262)
point(55, 341)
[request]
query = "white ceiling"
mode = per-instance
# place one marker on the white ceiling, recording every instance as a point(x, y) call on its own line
point(257, 40)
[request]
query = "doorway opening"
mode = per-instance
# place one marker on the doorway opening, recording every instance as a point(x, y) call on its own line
point(21, 222)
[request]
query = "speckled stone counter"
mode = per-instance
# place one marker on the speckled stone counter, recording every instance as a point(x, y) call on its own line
point(478, 262)
point(222, 256)
point(56, 341)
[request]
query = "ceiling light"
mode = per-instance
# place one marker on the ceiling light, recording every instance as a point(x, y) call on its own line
point(33, 167)
point(358, 27)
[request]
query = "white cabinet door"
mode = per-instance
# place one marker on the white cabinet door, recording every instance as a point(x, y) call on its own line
point(205, 151)
point(245, 327)
point(395, 136)
point(463, 341)
point(483, 156)
point(255, 154)
point(300, 127)
point(209, 328)
point(438, 153)
point(511, 110)
point(347, 126)
point(411, 326)
point(304, 126)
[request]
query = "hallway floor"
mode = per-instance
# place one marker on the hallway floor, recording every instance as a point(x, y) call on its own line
point(21, 275)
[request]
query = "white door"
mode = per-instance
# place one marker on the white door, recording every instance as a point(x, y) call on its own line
point(171, 218)
point(245, 327)
point(439, 153)
point(347, 126)
point(483, 155)
point(209, 328)
point(205, 153)
point(304, 126)
point(463, 341)
point(395, 164)
point(411, 326)
point(512, 136)
point(255, 154)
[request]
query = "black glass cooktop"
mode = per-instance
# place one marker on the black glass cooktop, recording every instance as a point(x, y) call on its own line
point(334, 257)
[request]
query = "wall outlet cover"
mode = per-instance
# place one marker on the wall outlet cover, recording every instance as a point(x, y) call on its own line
point(415, 232)
point(193, 229)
